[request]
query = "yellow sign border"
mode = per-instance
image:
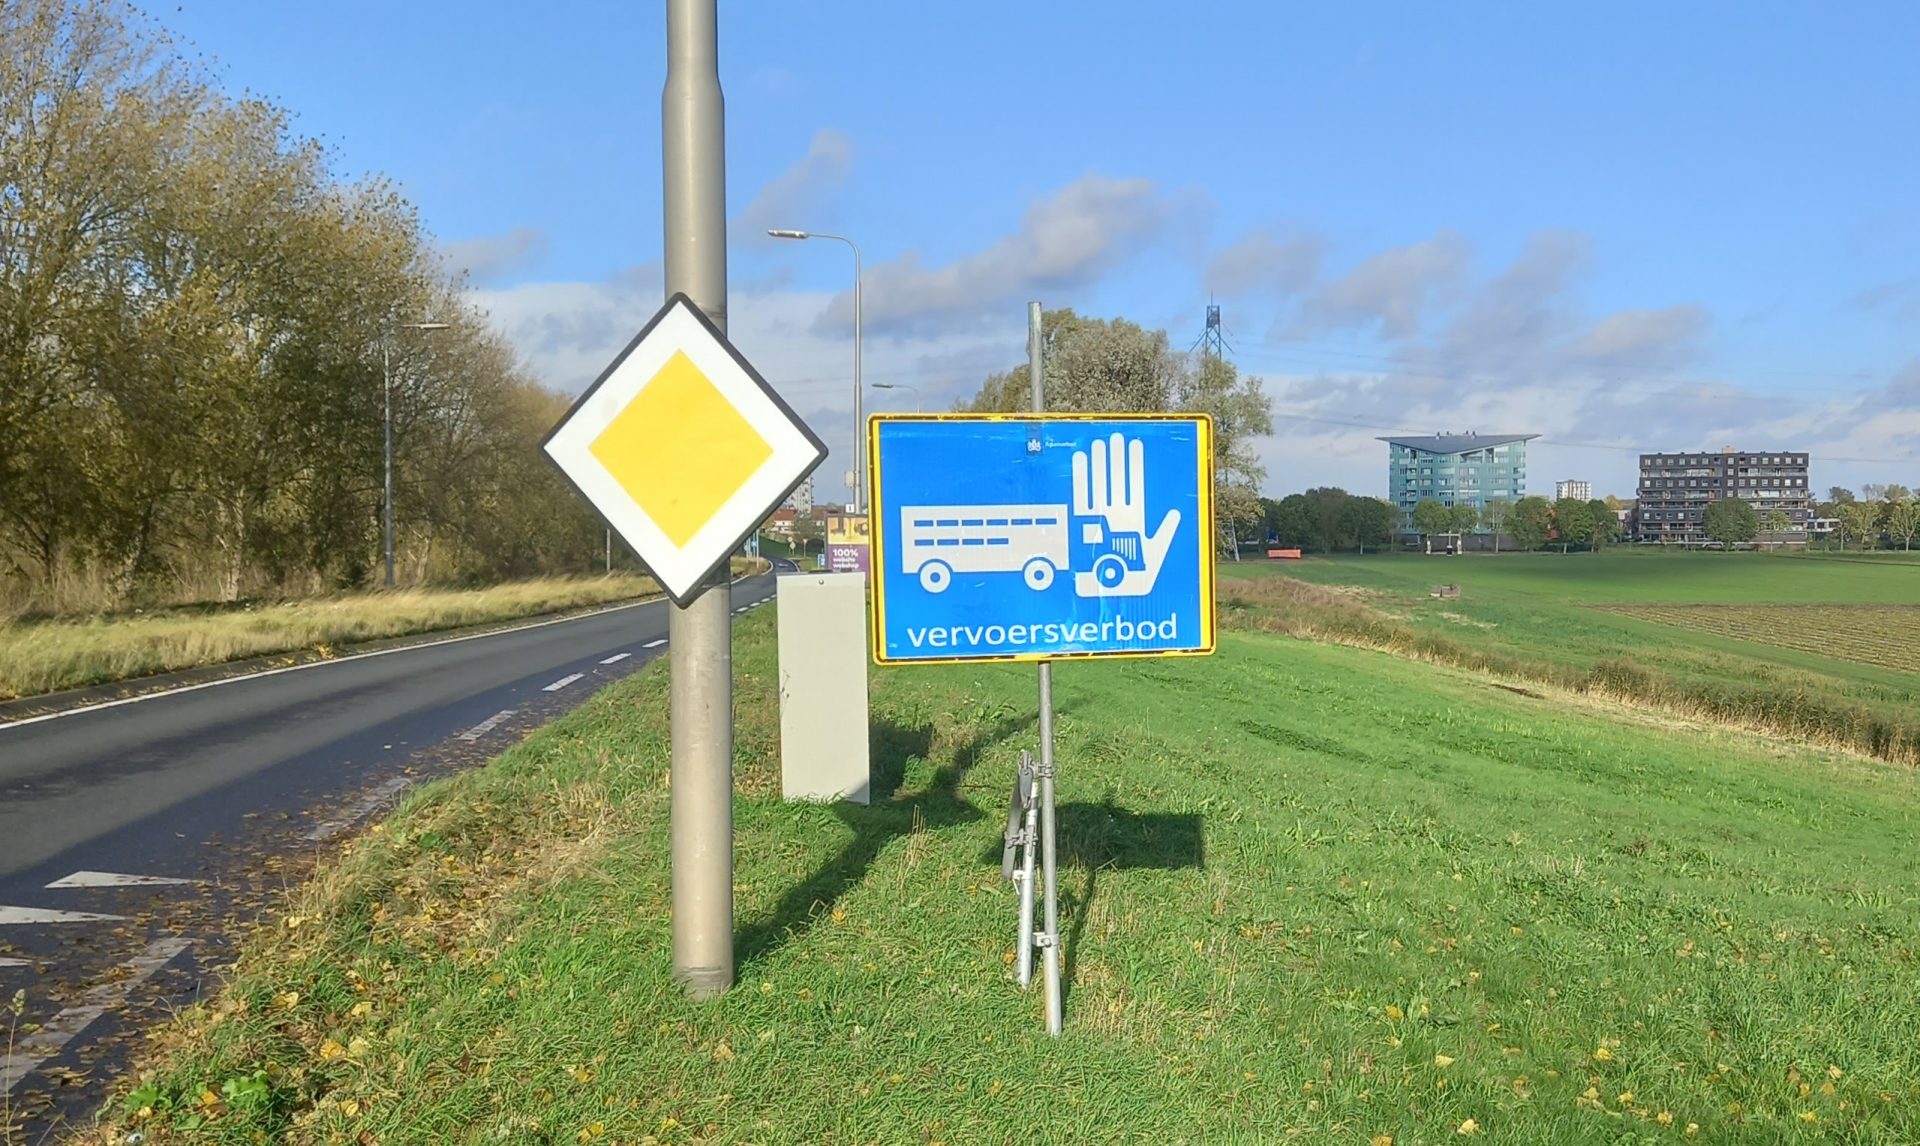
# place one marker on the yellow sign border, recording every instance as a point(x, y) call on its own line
point(876, 564)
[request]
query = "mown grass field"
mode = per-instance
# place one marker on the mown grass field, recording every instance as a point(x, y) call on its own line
point(1610, 618)
point(1884, 635)
point(41, 656)
point(1311, 893)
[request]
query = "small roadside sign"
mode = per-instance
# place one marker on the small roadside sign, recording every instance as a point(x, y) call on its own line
point(682, 447)
point(1041, 536)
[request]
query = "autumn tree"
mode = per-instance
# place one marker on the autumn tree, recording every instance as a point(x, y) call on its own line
point(1092, 365)
point(1494, 517)
point(1730, 521)
point(1573, 522)
point(1530, 522)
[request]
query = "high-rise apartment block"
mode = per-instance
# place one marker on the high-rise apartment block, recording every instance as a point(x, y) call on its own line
point(1675, 490)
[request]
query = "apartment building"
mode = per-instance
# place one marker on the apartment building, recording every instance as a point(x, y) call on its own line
point(1571, 488)
point(1675, 490)
point(1456, 469)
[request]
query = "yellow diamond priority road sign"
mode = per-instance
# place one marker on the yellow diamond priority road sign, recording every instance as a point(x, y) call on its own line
point(683, 447)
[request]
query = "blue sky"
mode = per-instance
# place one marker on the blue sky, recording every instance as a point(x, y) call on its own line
point(1619, 226)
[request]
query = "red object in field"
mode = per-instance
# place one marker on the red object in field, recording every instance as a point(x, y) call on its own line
point(1284, 554)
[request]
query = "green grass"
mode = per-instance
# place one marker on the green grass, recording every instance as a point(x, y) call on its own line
point(1554, 617)
point(1298, 879)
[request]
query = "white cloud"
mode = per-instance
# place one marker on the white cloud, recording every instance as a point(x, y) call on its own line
point(1644, 338)
point(1898, 300)
point(489, 258)
point(795, 199)
point(1263, 261)
point(1389, 291)
point(1066, 240)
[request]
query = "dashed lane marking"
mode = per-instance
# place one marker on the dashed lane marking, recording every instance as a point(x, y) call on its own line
point(361, 808)
point(113, 879)
point(485, 726)
point(10, 961)
point(654, 644)
point(563, 682)
point(47, 915)
point(616, 658)
point(53, 1036)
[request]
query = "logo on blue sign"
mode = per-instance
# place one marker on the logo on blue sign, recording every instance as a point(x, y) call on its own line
point(999, 537)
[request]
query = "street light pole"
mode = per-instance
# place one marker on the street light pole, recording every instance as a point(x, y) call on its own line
point(859, 391)
point(386, 420)
point(901, 386)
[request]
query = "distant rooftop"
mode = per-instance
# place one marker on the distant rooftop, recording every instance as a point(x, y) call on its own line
point(1458, 443)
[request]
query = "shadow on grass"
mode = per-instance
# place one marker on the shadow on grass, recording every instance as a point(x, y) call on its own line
point(889, 816)
point(1107, 837)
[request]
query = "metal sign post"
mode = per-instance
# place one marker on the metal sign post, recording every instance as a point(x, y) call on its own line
point(683, 448)
point(1049, 940)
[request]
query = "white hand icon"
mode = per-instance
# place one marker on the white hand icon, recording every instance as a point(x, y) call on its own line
point(1113, 487)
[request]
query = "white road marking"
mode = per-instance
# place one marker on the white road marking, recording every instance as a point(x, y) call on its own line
point(26, 720)
point(113, 879)
point(563, 682)
point(47, 915)
point(39, 1046)
point(361, 808)
point(10, 961)
point(616, 658)
point(654, 644)
point(485, 726)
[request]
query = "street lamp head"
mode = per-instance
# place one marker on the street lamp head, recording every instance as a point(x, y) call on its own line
point(788, 234)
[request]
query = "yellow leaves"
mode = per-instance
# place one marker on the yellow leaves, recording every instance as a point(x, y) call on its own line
point(1692, 1129)
point(1602, 1054)
point(1625, 1098)
point(358, 1046)
point(723, 1052)
point(288, 1000)
point(1468, 1127)
point(1664, 1118)
point(839, 915)
point(1395, 1013)
point(591, 1132)
point(1827, 1087)
point(1834, 1073)
point(209, 1098)
point(1443, 1061)
point(1517, 930)
point(360, 1010)
point(331, 1050)
point(580, 1073)
point(1809, 1116)
point(1380, 1140)
point(350, 1108)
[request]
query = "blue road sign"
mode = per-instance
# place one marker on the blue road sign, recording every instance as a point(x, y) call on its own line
point(1038, 537)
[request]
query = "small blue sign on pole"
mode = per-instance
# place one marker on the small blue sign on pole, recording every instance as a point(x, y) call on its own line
point(1041, 536)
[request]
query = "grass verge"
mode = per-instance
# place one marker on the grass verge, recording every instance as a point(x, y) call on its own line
point(48, 655)
point(1310, 892)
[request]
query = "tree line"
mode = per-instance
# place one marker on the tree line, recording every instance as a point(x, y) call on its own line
point(1888, 510)
point(1330, 519)
point(196, 325)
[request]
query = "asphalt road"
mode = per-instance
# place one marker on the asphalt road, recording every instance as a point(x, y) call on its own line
point(134, 837)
